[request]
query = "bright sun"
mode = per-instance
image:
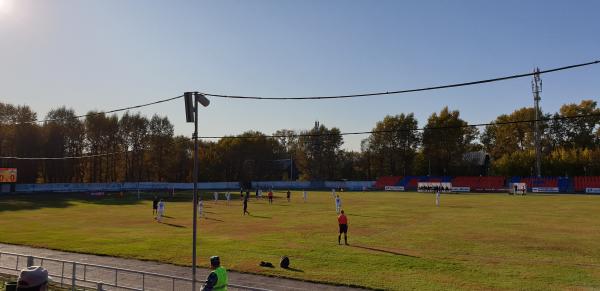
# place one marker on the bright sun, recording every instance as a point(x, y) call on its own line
point(5, 6)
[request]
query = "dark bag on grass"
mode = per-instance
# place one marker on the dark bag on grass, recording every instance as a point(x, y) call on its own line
point(285, 262)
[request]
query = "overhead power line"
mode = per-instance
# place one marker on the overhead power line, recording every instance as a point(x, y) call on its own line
point(328, 134)
point(407, 90)
point(326, 97)
point(410, 129)
point(108, 111)
point(65, 158)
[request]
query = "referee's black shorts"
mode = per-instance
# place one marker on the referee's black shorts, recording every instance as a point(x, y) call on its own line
point(343, 228)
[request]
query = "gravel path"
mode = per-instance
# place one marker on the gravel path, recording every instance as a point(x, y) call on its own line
point(150, 283)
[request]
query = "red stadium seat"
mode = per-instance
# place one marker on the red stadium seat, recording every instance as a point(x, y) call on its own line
point(581, 183)
point(479, 182)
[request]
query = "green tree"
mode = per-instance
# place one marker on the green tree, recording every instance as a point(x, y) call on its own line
point(503, 139)
point(64, 135)
point(133, 132)
point(579, 132)
point(246, 157)
point(103, 139)
point(20, 136)
point(393, 147)
point(318, 152)
point(160, 140)
point(446, 139)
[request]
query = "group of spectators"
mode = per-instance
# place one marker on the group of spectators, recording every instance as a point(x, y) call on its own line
point(434, 188)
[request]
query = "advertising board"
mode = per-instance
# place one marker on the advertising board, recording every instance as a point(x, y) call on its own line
point(8, 175)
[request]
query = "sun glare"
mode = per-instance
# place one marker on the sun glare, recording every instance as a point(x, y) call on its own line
point(5, 6)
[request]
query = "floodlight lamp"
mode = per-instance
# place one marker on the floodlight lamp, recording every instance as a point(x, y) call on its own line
point(202, 99)
point(189, 106)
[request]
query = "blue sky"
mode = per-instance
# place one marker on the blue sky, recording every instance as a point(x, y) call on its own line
point(113, 53)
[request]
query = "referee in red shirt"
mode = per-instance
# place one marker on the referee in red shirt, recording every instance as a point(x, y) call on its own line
point(343, 222)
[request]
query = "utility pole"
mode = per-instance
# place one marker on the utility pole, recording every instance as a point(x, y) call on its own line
point(191, 115)
point(195, 197)
point(536, 88)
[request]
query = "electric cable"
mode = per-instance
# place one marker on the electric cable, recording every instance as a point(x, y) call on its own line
point(328, 134)
point(105, 112)
point(327, 97)
point(404, 91)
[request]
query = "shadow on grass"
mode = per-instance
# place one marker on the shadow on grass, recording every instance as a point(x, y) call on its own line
point(277, 204)
point(172, 225)
point(350, 214)
point(294, 270)
point(33, 201)
point(214, 219)
point(259, 216)
point(456, 206)
point(382, 251)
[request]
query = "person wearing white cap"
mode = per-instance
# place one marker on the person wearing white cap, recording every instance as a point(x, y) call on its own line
point(34, 278)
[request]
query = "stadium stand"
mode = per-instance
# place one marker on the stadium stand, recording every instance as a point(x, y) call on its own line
point(562, 183)
point(540, 182)
point(411, 182)
point(580, 183)
point(387, 181)
point(488, 182)
point(515, 179)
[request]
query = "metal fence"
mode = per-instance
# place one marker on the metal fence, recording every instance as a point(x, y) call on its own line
point(78, 275)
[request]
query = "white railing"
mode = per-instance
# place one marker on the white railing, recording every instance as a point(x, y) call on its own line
point(70, 274)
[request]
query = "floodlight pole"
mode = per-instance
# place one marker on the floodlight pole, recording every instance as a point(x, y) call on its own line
point(195, 193)
point(192, 99)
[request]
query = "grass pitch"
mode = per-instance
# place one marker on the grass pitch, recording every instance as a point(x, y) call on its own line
point(397, 240)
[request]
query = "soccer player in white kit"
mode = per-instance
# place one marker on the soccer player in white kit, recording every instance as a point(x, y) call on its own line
point(338, 204)
point(437, 198)
point(161, 210)
point(200, 207)
point(304, 195)
point(333, 193)
point(228, 196)
point(216, 194)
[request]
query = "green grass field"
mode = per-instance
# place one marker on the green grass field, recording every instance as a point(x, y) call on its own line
point(397, 240)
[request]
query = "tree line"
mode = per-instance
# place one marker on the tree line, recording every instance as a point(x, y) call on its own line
point(133, 147)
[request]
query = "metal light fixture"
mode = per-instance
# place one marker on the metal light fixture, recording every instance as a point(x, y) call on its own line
point(191, 115)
